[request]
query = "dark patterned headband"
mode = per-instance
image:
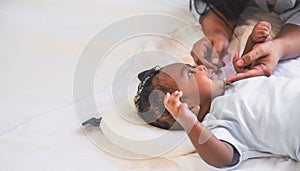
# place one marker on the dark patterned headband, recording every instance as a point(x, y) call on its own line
point(145, 75)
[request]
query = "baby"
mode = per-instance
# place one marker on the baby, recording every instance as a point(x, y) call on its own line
point(255, 117)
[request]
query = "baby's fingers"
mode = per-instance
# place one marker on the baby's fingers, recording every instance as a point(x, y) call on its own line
point(173, 99)
point(177, 95)
point(172, 102)
point(166, 99)
point(195, 109)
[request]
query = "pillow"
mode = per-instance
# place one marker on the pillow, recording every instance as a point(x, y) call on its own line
point(137, 136)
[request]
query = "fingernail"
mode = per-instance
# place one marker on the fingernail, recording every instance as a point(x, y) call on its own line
point(236, 55)
point(215, 61)
point(240, 62)
point(227, 81)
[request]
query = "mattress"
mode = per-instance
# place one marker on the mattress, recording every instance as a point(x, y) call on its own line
point(42, 44)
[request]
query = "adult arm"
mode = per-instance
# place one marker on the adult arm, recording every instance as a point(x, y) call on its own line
point(218, 31)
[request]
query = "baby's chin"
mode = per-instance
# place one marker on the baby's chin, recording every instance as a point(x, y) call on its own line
point(217, 87)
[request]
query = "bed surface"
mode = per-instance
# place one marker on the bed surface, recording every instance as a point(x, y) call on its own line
point(41, 42)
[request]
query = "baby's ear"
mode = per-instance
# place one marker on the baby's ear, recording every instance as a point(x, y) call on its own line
point(156, 96)
point(156, 100)
point(195, 109)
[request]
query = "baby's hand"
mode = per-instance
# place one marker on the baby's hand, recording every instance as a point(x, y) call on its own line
point(261, 32)
point(180, 111)
point(173, 103)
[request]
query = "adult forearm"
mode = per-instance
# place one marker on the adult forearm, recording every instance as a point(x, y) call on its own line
point(212, 24)
point(288, 40)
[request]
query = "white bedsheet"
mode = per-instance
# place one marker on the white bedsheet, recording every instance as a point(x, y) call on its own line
point(41, 42)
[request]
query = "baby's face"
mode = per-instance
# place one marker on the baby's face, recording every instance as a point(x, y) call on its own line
point(194, 82)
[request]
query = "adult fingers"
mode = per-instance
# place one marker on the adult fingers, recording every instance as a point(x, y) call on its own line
point(196, 58)
point(257, 71)
point(200, 60)
point(234, 61)
point(223, 63)
point(218, 53)
point(216, 61)
point(203, 53)
point(209, 65)
point(256, 53)
point(219, 47)
point(211, 58)
point(199, 50)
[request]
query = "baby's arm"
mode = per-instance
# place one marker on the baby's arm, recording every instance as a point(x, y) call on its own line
point(213, 151)
point(260, 33)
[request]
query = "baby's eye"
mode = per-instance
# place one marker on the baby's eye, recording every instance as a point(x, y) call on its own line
point(190, 73)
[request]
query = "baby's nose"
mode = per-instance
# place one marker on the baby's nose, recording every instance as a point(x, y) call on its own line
point(201, 68)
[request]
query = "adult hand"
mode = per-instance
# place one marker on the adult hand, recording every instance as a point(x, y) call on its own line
point(260, 61)
point(209, 51)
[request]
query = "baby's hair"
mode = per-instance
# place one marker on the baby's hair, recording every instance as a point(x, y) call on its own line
point(149, 99)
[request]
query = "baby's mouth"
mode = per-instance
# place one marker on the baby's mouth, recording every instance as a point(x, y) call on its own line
point(212, 74)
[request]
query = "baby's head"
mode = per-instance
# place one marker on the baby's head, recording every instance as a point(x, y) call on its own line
point(150, 96)
point(194, 82)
